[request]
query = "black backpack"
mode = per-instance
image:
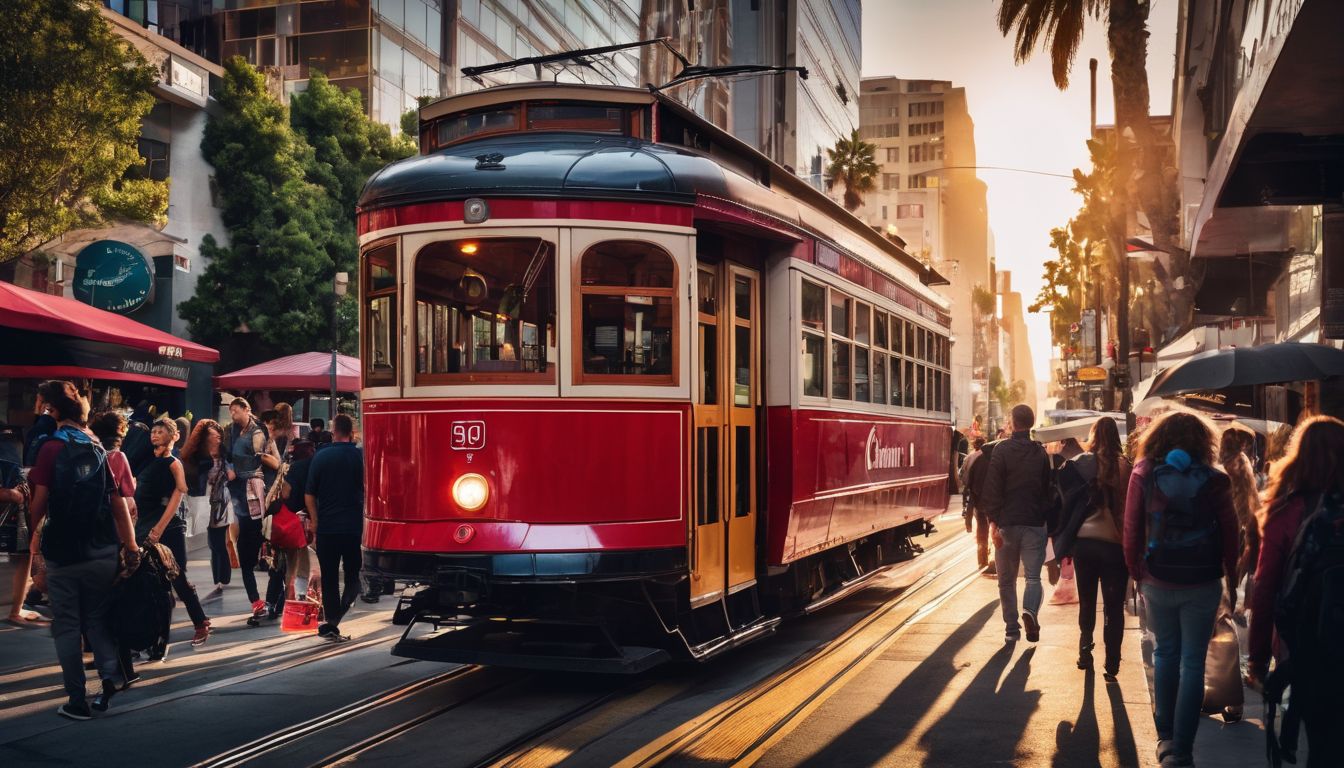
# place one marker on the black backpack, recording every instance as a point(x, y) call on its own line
point(79, 509)
point(1309, 615)
point(143, 605)
point(1184, 541)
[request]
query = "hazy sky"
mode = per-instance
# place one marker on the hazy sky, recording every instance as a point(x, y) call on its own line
point(1021, 119)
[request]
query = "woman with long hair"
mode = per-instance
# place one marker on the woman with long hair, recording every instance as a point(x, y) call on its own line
point(207, 473)
point(159, 489)
point(1180, 539)
point(1233, 458)
point(1310, 471)
point(1092, 538)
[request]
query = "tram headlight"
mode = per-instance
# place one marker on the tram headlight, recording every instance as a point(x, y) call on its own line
point(470, 492)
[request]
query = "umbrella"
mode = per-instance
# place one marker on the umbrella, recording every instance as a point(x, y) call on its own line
point(1248, 366)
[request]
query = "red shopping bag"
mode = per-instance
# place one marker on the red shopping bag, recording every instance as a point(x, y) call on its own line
point(287, 530)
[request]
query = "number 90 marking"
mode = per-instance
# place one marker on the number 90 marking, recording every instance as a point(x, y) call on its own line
point(467, 435)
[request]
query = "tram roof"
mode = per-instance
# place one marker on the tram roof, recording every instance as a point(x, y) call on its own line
point(575, 164)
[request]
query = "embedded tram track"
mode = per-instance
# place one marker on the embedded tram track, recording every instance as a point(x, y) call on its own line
point(813, 676)
point(809, 678)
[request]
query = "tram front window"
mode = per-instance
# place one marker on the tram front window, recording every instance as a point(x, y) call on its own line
point(485, 311)
point(627, 313)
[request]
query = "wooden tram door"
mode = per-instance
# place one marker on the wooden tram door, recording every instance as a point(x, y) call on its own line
point(727, 366)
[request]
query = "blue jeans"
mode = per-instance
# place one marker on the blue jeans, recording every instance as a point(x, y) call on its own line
point(1182, 623)
point(1025, 543)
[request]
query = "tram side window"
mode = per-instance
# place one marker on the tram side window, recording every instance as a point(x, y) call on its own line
point(628, 322)
point(814, 339)
point(485, 311)
point(841, 352)
point(862, 335)
point(379, 285)
point(879, 357)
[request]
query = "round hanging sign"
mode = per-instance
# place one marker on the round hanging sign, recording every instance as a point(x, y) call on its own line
point(114, 276)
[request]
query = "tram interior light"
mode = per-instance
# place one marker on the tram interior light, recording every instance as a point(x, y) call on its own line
point(470, 492)
point(469, 248)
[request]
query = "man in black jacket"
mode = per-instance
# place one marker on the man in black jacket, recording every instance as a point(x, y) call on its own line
point(1015, 500)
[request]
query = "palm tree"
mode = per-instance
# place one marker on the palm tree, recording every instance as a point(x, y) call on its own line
point(853, 162)
point(1057, 26)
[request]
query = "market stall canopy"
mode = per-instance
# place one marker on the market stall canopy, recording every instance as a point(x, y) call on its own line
point(1247, 366)
point(47, 336)
point(1078, 429)
point(306, 370)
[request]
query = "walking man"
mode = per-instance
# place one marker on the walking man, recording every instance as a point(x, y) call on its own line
point(1015, 501)
point(334, 496)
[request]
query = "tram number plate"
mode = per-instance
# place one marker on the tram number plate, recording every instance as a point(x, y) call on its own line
point(467, 435)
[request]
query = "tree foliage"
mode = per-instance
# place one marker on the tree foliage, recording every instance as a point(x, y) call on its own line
point(288, 179)
point(853, 162)
point(1145, 182)
point(72, 95)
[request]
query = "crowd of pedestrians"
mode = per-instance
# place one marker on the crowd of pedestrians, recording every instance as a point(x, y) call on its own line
point(1190, 521)
point(105, 501)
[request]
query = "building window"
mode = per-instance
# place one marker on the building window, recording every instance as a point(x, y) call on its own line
point(891, 181)
point(910, 211)
point(379, 337)
point(155, 154)
point(485, 311)
point(628, 313)
point(893, 154)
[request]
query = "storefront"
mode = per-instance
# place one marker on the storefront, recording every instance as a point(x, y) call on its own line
point(124, 362)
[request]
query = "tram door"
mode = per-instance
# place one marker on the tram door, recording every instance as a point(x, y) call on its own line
point(727, 364)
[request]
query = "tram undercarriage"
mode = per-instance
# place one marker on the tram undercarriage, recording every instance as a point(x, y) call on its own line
point(468, 612)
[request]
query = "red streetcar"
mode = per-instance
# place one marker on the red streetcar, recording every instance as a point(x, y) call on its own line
point(632, 391)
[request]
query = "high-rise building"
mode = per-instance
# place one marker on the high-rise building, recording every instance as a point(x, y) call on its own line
point(396, 52)
point(929, 196)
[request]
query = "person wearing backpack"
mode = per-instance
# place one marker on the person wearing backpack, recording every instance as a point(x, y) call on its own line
point(1299, 586)
point(79, 521)
point(1091, 535)
point(249, 450)
point(1015, 501)
point(1180, 542)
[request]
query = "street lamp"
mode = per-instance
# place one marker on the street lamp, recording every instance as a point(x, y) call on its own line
point(340, 284)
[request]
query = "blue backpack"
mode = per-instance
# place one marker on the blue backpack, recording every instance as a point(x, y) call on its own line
point(1184, 541)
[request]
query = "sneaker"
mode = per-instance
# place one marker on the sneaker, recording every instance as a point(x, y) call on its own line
point(1085, 657)
point(332, 633)
point(258, 609)
point(992, 571)
point(104, 699)
point(128, 682)
point(1033, 627)
point(1012, 637)
point(202, 634)
point(158, 654)
point(75, 711)
point(1112, 671)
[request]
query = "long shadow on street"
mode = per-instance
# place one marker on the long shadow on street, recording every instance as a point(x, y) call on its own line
point(867, 741)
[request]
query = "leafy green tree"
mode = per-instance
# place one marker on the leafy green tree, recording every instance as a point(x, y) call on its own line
point(289, 178)
point(72, 94)
point(854, 164)
point(274, 278)
point(348, 147)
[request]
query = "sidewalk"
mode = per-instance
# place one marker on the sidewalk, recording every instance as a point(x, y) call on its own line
point(950, 692)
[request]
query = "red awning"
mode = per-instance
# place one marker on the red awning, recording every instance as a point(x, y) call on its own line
point(80, 372)
point(34, 311)
point(307, 370)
